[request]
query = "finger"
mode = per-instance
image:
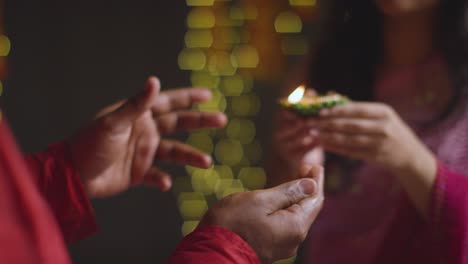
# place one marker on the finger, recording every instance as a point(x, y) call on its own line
point(285, 195)
point(158, 179)
point(347, 125)
point(109, 109)
point(350, 141)
point(311, 206)
point(291, 132)
point(143, 156)
point(169, 101)
point(357, 110)
point(186, 120)
point(360, 154)
point(133, 108)
point(301, 145)
point(174, 151)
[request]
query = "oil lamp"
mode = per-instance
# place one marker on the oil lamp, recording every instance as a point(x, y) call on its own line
point(309, 105)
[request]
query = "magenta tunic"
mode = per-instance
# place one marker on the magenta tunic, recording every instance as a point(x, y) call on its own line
point(374, 221)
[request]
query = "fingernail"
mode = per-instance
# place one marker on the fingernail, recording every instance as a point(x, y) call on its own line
point(308, 186)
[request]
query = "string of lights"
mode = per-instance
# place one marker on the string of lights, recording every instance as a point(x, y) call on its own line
point(229, 45)
point(5, 46)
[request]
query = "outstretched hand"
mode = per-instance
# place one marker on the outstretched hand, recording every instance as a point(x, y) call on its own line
point(118, 149)
point(274, 221)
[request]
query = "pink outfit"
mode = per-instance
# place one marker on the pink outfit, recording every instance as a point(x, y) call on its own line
point(374, 222)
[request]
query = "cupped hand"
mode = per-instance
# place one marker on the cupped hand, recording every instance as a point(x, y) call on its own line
point(117, 150)
point(274, 221)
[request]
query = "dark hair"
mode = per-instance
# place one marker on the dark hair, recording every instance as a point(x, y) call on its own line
point(350, 46)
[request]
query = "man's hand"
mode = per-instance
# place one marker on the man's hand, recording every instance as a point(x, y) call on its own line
point(274, 221)
point(117, 150)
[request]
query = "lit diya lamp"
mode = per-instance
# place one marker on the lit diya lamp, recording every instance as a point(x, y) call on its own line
point(310, 105)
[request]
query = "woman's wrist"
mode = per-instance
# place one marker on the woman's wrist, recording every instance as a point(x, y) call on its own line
point(418, 177)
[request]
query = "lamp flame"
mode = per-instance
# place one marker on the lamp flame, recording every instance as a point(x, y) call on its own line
point(297, 95)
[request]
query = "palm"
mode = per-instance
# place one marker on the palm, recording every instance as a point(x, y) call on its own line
point(115, 153)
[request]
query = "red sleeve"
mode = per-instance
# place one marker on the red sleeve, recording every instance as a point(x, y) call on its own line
point(449, 215)
point(28, 230)
point(61, 186)
point(212, 244)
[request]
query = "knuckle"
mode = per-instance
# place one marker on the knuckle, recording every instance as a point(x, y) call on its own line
point(386, 129)
point(293, 194)
point(387, 111)
point(255, 198)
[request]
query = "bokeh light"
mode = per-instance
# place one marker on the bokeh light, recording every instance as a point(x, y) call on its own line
point(201, 141)
point(201, 18)
point(245, 57)
point(204, 180)
point(192, 59)
point(229, 46)
point(288, 22)
point(220, 64)
point(192, 206)
point(290, 260)
point(188, 227)
point(5, 46)
point(200, 2)
point(232, 85)
point(303, 2)
point(253, 178)
point(242, 130)
point(229, 152)
point(201, 38)
point(245, 105)
point(204, 79)
point(235, 187)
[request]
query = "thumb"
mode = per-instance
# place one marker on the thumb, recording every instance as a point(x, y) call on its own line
point(134, 107)
point(312, 205)
point(287, 194)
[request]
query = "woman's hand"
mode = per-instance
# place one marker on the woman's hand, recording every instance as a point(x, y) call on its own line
point(118, 149)
point(295, 142)
point(374, 132)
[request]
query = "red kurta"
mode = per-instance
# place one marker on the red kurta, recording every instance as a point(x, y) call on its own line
point(43, 206)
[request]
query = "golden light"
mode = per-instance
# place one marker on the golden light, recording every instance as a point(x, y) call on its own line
point(192, 59)
point(200, 2)
point(201, 18)
point(288, 22)
point(297, 95)
point(188, 227)
point(253, 178)
point(5, 45)
point(302, 2)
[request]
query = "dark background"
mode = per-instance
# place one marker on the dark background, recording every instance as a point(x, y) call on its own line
point(70, 58)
